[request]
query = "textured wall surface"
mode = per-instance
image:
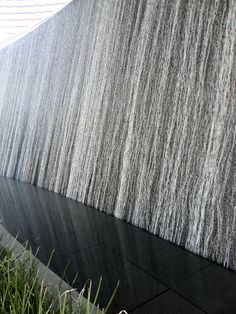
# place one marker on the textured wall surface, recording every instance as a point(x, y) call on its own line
point(129, 106)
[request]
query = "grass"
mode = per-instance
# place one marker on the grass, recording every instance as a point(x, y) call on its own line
point(21, 292)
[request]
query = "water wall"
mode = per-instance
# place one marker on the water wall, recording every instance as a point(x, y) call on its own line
point(130, 106)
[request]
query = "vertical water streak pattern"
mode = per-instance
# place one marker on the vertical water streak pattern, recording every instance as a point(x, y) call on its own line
point(129, 106)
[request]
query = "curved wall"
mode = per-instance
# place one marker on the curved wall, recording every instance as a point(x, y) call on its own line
point(17, 18)
point(129, 106)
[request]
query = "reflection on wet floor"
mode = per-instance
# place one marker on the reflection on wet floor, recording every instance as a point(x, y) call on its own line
point(155, 275)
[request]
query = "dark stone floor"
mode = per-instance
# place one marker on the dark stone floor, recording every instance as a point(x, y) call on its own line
point(155, 276)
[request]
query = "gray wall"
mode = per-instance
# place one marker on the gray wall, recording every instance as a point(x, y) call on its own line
point(129, 106)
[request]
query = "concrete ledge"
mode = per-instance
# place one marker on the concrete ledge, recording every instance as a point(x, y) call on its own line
point(50, 279)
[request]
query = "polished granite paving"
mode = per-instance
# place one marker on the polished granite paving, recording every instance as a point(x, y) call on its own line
point(155, 276)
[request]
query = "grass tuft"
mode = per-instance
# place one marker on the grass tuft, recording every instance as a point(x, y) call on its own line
point(22, 293)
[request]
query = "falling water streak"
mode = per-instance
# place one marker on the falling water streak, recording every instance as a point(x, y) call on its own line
point(129, 106)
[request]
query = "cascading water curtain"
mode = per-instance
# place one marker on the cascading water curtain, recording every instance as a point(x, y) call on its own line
point(129, 106)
